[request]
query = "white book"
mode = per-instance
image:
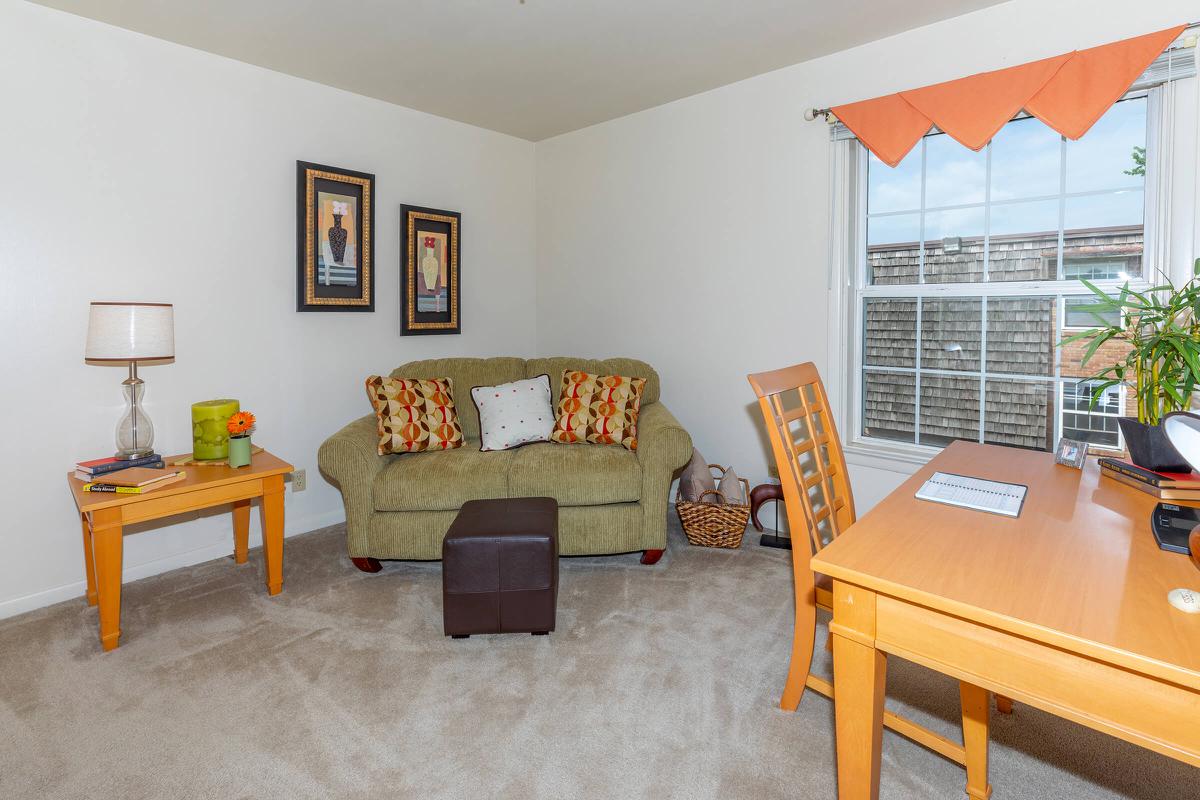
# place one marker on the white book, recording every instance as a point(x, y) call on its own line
point(974, 493)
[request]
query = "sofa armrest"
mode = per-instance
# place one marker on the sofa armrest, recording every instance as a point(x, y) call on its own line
point(663, 447)
point(350, 458)
point(663, 444)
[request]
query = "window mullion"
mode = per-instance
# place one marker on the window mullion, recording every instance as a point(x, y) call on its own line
point(921, 221)
point(917, 377)
point(983, 326)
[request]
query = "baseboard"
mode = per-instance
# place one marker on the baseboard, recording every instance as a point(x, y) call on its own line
point(188, 558)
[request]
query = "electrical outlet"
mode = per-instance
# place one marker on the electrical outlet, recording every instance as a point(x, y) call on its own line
point(299, 481)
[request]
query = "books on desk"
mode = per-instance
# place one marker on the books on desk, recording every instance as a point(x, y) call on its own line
point(84, 470)
point(1163, 485)
point(136, 480)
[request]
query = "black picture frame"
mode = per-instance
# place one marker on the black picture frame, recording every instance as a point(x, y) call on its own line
point(324, 279)
point(430, 284)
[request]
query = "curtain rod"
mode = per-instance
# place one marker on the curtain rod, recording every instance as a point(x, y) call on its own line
point(1189, 42)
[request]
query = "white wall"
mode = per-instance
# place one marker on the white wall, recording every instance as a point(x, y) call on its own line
point(695, 234)
point(133, 168)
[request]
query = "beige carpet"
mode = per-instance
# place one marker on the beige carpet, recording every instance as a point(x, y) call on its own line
point(661, 682)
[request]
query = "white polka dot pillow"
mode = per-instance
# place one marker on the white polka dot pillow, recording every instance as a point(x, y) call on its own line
point(513, 414)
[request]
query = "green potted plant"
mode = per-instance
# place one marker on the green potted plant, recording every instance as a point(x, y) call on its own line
point(1161, 325)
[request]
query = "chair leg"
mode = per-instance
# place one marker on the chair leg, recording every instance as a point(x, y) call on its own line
point(803, 636)
point(975, 710)
point(1004, 704)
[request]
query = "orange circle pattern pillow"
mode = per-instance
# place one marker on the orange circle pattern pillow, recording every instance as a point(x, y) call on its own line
point(414, 415)
point(598, 409)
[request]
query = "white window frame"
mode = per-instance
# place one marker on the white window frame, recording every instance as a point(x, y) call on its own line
point(849, 285)
point(1120, 412)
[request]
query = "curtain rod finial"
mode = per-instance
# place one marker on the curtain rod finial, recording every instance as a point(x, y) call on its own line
point(811, 114)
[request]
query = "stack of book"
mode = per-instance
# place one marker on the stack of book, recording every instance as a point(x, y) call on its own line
point(135, 476)
point(135, 480)
point(90, 470)
point(1166, 486)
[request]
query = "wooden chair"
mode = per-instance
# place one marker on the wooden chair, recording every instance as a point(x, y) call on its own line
point(816, 493)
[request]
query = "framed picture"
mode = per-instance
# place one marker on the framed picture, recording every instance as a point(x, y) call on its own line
point(1071, 453)
point(335, 224)
point(429, 271)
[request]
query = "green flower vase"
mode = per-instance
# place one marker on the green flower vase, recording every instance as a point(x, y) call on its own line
point(239, 451)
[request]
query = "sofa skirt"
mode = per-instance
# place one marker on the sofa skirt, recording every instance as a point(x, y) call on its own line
point(582, 530)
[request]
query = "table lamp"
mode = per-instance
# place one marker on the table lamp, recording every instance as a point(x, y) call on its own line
point(1183, 431)
point(130, 333)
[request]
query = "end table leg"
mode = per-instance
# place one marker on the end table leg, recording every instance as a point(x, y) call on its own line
point(89, 565)
point(975, 708)
point(241, 530)
point(272, 523)
point(108, 546)
point(859, 677)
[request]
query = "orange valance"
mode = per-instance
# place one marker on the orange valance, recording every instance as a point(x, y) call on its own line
point(1068, 93)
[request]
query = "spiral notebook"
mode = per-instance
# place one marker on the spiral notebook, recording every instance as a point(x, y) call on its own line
point(977, 494)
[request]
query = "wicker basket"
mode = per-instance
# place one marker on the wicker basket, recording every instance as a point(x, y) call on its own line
point(712, 525)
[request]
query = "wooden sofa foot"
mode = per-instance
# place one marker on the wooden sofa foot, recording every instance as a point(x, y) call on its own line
point(367, 564)
point(651, 556)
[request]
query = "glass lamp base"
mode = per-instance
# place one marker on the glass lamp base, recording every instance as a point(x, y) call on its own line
point(135, 431)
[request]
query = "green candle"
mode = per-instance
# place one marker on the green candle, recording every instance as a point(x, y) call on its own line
point(210, 437)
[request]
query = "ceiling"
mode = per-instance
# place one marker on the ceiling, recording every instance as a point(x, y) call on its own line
point(533, 69)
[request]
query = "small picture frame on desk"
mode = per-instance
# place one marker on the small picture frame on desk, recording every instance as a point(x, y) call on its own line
point(1071, 453)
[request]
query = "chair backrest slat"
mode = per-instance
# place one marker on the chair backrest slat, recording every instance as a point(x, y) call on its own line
point(808, 455)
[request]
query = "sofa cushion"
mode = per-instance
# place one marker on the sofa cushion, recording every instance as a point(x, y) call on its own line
point(598, 409)
point(466, 373)
point(630, 367)
point(441, 481)
point(513, 414)
point(575, 476)
point(414, 415)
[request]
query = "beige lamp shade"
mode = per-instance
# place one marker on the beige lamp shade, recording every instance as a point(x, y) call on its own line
point(130, 332)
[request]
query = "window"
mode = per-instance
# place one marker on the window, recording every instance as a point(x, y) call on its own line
point(1081, 312)
point(1095, 424)
point(969, 276)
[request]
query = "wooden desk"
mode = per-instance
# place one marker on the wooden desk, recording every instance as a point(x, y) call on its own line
point(104, 515)
point(1064, 608)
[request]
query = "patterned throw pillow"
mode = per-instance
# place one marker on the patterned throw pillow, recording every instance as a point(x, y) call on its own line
point(513, 414)
point(414, 415)
point(598, 409)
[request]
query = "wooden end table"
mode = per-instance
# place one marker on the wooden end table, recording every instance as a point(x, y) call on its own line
point(104, 515)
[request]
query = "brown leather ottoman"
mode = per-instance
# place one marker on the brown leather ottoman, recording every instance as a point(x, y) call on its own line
point(500, 567)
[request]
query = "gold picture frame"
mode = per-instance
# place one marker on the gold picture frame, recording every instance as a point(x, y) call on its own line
point(335, 239)
point(430, 269)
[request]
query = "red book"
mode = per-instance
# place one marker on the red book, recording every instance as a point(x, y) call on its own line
point(96, 463)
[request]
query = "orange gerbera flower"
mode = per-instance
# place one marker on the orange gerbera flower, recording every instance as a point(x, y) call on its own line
point(240, 423)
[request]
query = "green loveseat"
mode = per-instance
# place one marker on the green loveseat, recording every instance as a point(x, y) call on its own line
point(611, 500)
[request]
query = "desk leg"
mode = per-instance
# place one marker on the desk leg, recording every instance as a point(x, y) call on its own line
point(241, 530)
point(107, 545)
point(975, 708)
point(272, 524)
point(860, 676)
point(89, 565)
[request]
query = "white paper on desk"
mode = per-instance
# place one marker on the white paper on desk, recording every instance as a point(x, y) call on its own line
point(974, 493)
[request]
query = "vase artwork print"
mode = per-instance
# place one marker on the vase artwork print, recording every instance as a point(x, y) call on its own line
point(335, 222)
point(336, 264)
point(432, 284)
